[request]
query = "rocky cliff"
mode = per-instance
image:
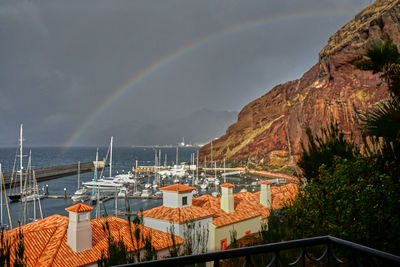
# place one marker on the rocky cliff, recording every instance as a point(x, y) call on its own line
point(271, 127)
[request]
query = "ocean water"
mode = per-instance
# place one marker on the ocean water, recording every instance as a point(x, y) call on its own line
point(124, 159)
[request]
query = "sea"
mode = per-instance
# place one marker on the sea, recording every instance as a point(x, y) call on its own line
point(124, 158)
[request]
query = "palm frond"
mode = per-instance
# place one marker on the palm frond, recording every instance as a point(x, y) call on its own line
point(379, 54)
point(383, 120)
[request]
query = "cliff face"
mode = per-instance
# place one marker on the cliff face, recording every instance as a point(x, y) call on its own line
point(275, 123)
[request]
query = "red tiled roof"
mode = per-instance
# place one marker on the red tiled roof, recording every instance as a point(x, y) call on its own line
point(227, 185)
point(265, 182)
point(80, 207)
point(46, 241)
point(281, 194)
point(178, 215)
point(247, 205)
point(180, 188)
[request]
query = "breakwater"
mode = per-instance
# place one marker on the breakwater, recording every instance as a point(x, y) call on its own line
point(49, 173)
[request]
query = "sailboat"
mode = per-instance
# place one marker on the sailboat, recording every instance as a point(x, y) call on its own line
point(106, 184)
point(17, 196)
point(82, 193)
point(31, 191)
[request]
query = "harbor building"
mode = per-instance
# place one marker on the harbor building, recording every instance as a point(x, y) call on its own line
point(77, 240)
point(242, 212)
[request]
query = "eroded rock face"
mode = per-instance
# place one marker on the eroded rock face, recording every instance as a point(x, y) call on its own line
point(332, 89)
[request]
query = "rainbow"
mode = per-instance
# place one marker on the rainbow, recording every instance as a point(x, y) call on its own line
point(174, 56)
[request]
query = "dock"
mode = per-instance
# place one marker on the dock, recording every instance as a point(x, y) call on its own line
point(54, 172)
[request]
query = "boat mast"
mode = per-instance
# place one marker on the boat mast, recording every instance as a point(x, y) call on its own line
point(159, 165)
point(38, 195)
point(197, 167)
point(3, 188)
point(224, 172)
point(79, 173)
point(20, 159)
point(111, 152)
point(95, 171)
point(211, 156)
point(176, 156)
point(155, 166)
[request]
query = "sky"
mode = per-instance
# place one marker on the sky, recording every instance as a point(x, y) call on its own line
point(150, 71)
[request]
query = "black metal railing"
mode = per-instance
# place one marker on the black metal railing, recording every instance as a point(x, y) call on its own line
point(355, 255)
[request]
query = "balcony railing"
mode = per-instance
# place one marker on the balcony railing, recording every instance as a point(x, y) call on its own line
point(356, 255)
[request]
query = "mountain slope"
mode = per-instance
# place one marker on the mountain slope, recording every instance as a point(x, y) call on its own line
point(275, 123)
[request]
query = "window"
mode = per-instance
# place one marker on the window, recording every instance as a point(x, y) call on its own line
point(223, 244)
point(184, 201)
point(248, 232)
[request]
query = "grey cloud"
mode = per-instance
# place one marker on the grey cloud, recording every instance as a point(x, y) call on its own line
point(61, 60)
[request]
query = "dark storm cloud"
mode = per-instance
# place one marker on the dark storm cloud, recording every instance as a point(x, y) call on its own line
point(62, 59)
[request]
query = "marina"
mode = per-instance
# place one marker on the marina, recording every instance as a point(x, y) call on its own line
point(119, 183)
point(139, 164)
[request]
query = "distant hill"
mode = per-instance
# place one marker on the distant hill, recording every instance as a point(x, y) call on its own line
point(198, 127)
point(275, 123)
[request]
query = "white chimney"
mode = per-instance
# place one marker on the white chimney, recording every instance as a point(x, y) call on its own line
point(265, 194)
point(177, 195)
point(227, 199)
point(79, 233)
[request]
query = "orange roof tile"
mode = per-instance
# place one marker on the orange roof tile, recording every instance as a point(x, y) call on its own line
point(180, 188)
point(281, 194)
point(46, 241)
point(80, 207)
point(265, 182)
point(178, 215)
point(247, 205)
point(227, 185)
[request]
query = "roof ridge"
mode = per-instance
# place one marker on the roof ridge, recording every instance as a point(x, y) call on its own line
point(57, 245)
point(44, 247)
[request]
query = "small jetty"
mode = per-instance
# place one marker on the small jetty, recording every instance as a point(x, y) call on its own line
point(49, 173)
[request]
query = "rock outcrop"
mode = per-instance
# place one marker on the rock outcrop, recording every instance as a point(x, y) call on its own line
point(274, 124)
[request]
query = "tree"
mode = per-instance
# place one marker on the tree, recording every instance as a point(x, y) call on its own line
point(382, 122)
point(322, 150)
point(383, 57)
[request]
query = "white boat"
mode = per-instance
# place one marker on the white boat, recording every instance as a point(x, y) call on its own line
point(137, 193)
point(103, 185)
point(212, 180)
point(243, 190)
point(81, 194)
point(125, 178)
point(158, 193)
point(215, 194)
point(204, 185)
point(31, 196)
point(146, 193)
point(123, 192)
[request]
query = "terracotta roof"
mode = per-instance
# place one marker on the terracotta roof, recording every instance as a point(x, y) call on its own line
point(179, 215)
point(281, 194)
point(46, 241)
point(180, 188)
point(227, 185)
point(79, 208)
point(265, 182)
point(247, 205)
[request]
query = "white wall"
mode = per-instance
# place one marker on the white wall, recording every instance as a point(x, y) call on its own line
point(172, 199)
point(216, 234)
